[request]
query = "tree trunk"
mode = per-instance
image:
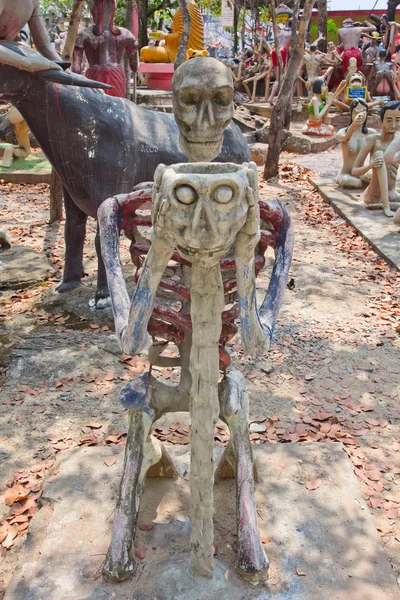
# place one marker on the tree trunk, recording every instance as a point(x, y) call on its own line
point(322, 24)
point(277, 117)
point(235, 29)
point(129, 24)
point(187, 22)
point(391, 9)
point(56, 197)
point(143, 7)
point(295, 20)
point(73, 29)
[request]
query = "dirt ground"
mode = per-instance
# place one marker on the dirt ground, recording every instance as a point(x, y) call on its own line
point(333, 372)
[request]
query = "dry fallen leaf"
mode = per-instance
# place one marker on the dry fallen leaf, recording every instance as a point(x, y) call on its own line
point(314, 484)
point(110, 461)
point(300, 572)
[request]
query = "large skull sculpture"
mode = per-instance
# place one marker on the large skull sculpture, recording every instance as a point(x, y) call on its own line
point(203, 106)
point(200, 211)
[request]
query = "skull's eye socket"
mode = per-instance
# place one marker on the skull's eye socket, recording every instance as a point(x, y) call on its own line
point(223, 97)
point(223, 194)
point(186, 194)
point(190, 96)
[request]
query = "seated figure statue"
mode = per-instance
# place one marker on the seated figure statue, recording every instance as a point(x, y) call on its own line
point(381, 192)
point(318, 111)
point(383, 77)
point(167, 53)
point(352, 139)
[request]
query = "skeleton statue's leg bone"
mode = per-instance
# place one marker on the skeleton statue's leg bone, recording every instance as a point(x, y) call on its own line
point(234, 410)
point(146, 400)
point(206, 309)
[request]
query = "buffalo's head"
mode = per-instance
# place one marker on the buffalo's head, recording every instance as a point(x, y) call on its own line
point(20, 66)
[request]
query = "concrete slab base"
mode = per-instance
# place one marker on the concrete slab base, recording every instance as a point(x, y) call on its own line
point(33, 169)
point(322, 544)
point(21, 267)
point(379, 231)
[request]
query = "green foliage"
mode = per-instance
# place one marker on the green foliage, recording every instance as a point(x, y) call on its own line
point(60, 8)
point(331, 26)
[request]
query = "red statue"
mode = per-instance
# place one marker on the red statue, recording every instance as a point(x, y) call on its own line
point(104, 45)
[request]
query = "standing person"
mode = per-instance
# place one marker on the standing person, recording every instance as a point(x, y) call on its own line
point(350, 37)
point(104, 45)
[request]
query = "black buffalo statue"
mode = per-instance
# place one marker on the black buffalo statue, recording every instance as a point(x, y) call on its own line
point(99, 145)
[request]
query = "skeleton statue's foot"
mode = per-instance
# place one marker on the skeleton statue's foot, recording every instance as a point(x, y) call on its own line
point(119, 570)
point(66, 286)
point(100, 301)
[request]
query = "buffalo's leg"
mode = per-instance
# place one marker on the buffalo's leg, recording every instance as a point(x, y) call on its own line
point(102, 297)
point(75, 230)
point(234, 408)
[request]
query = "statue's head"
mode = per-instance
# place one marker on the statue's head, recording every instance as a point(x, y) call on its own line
point(202, 207)
point(390, 116)
point(359, 110)
point(356, 80)
point(348, 23)
point(319, 86)
point(203, 106)
point(353, 66)
point(103, 12)
point(313, 48)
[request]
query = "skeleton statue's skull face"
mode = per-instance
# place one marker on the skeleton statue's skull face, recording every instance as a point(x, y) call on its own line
point(203, 106)
point(203, 207)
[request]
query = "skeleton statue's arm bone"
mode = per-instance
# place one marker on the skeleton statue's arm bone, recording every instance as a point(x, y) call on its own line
point(131, 318)
point(270, 307)
point(109, 217)
point(134, 337)
point(31, 63)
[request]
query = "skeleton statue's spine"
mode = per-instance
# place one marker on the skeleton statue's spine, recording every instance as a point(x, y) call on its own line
point(207, 306)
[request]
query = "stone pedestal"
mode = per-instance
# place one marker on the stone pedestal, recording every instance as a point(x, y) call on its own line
point(322, 544)
point(160, 75)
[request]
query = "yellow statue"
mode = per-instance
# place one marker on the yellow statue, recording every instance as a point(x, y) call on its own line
point(167, 53)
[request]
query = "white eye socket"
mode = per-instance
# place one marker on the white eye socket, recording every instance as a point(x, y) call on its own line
point(223, 194)
point(186, 194)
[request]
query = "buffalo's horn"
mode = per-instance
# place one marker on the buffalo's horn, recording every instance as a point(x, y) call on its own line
point(71, 79)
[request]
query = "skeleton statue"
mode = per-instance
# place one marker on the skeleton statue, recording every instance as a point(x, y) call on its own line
point(206, 235)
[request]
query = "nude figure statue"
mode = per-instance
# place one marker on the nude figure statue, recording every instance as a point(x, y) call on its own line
point(392, 157)
point(14, 15)
point(381, 192)
point(104, 45)
point(383, 78)
point(352, 139)
point(350, 37)
point(313, 64)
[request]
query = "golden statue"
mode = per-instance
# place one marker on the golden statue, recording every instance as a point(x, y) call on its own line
point(167, 53)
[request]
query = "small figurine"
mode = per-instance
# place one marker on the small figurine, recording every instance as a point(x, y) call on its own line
point(352, 139)
point(318, 111)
